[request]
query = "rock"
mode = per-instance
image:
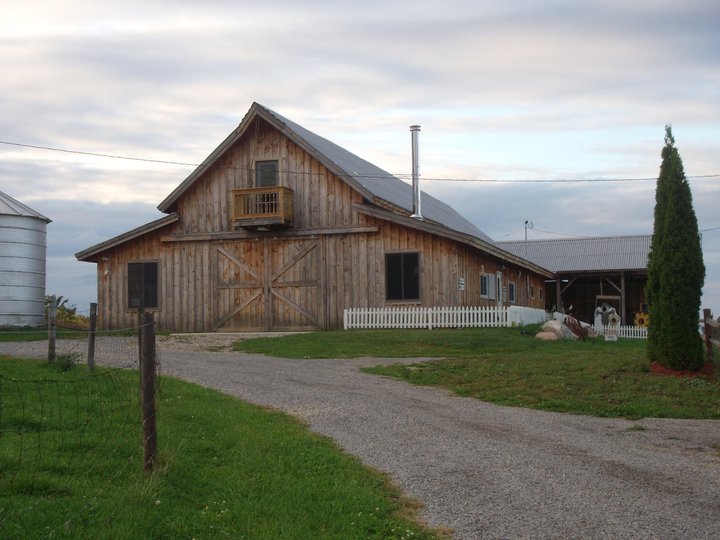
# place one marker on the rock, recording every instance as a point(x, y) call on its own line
point(547, 336)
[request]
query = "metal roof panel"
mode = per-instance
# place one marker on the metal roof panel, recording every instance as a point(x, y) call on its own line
point(603, 253)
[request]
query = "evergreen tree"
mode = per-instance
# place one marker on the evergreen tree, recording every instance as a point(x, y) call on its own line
point(676, 272)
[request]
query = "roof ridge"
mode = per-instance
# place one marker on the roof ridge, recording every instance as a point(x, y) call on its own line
point(577, 238)
point(16, 208)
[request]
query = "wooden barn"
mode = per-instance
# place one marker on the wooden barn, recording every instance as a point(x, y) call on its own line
point(281, 229)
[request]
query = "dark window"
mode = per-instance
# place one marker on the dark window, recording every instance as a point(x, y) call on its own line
point(266, 173)
point(511, 292)
point(402, 276)
point(143, 285)
point(484, 288)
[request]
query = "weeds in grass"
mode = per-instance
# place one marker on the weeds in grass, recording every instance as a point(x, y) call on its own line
point(65, 362)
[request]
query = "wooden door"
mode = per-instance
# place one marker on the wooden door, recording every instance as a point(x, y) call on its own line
point(268, 284)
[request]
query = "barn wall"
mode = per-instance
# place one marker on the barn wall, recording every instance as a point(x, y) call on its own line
point(356, 271)
point(200, 286)
point(184, 271)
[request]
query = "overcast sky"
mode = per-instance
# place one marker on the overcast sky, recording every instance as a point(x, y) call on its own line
point(514, 90)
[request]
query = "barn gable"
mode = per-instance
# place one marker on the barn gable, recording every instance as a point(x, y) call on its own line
point(371, 182)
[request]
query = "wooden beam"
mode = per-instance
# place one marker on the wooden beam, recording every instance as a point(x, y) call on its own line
point(237, 261)
point(622, 293)
point(296, 306)
point(566, 287)
point(618, 289)
point(292, 262)
point(246, 235)
point(237, 310)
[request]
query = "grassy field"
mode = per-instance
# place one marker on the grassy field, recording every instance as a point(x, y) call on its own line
point(38, 334)
point(509, 367)
point(71, 466)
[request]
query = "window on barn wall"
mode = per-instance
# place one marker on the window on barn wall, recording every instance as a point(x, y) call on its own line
point(484, 286)
point(266, 173)
point(402, 276)
point(511, 293)
point(143, 285)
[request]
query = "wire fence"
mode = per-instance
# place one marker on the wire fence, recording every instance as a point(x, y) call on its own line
point(62, 426)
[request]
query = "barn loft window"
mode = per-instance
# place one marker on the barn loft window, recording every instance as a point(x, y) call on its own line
point(142, 285)
point(402, 276)
point(266, 173)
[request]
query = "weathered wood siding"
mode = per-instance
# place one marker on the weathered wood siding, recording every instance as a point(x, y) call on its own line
point(284, 279)
point(356, 271)
point(320, 198)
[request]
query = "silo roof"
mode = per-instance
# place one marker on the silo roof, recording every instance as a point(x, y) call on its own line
point(12, 207)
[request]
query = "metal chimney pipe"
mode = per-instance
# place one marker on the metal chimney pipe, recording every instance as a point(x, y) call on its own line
point(417, 212)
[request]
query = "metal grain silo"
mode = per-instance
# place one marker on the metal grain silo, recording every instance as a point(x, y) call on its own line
point(22, 264)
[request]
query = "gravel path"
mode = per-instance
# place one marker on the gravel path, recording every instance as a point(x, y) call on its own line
point(483, 470)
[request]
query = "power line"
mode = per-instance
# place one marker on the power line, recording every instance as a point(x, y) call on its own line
point(95, 154)
point(558, 233)
point(366, 176)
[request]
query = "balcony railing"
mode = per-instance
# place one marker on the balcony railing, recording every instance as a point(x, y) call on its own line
point(270, 207)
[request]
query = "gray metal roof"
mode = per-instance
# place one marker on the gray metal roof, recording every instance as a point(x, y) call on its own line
point(90, 253)
point(371, 181)
point(381, 183)
point(604, 253)
point(11, 207)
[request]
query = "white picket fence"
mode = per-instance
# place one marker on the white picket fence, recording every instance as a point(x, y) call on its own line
point(425, 317)
point(461, 317)
point(629, 332)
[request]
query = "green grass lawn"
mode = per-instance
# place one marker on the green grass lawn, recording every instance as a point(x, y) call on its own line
point(509, 367)
point(71, 466)
point(38, 334)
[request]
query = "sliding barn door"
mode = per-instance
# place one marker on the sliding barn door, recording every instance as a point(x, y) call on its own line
point(268, 284)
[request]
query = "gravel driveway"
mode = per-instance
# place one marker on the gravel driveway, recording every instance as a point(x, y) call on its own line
point(483, 470)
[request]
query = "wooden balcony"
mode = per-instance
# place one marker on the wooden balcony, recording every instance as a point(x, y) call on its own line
point(263, 208)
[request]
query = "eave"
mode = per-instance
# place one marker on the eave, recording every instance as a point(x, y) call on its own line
point(91, 254)
point(440, 230)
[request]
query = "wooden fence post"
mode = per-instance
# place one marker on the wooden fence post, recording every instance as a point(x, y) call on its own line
point(52, 329)
point(91, 337)
point(148, 362)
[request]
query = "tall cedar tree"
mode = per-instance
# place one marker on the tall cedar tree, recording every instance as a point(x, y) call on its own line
point(676, 272)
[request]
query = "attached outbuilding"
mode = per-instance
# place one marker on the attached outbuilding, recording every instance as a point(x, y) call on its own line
point(281, 229)
point(591, 272)
point(23, 246)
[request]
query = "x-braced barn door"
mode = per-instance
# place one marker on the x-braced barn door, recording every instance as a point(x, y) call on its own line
point(268, 284)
